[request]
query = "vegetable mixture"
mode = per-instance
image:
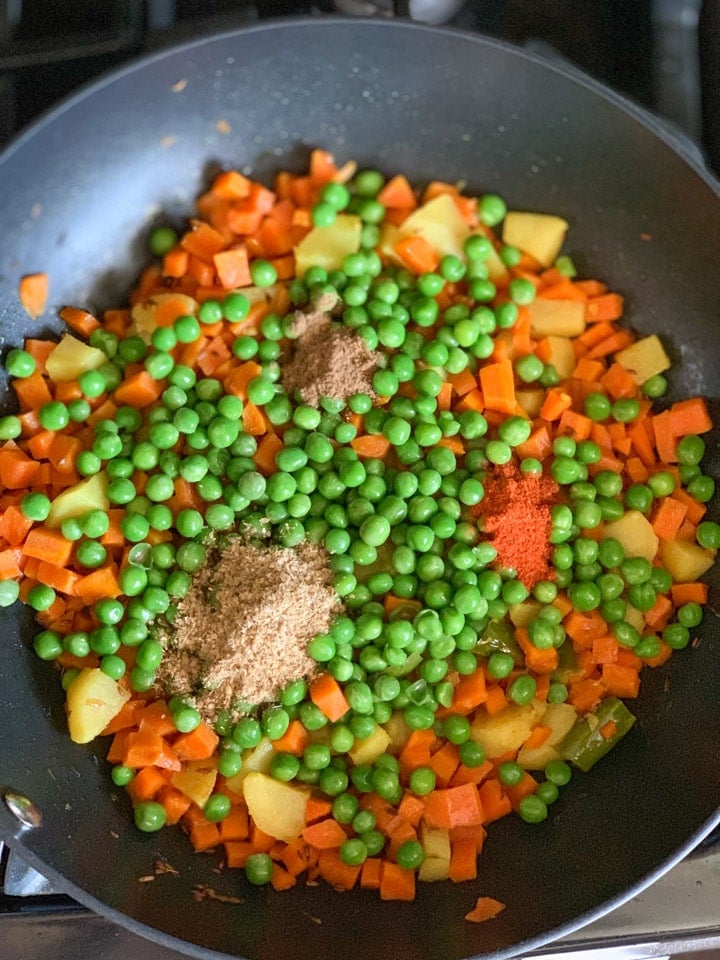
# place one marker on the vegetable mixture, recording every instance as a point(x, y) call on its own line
point(510, 529)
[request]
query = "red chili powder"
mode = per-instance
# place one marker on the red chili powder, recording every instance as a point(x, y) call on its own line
point(515, 512)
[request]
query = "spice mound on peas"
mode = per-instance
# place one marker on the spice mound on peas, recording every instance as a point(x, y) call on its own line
point(356, 528)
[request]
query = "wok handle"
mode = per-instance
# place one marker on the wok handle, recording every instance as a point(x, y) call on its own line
point(709, 56)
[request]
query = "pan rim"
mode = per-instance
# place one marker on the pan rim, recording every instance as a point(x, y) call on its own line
point(652, 124)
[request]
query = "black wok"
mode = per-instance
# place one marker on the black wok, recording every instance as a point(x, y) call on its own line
point(79, 191)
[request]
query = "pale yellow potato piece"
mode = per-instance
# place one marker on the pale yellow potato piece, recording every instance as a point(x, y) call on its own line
point(556, 318)
point(93, 699)
point(562, 355)
point(497, 271)
point(561, 717)
point(685, 560)
point(328, 246)
point(531, 401)
point(539, 234)
point(144, 314)
point(389, 236)
point(90, 494)
point(635, 617)
point(196, 780)
point(71, 357)
point(507, 730)
point(436, 844)
point(398, 731)
point(636, 535)
point(440, 223)
point(644, 359)
point(276, 807)
point(370, 748)
point(256, 760)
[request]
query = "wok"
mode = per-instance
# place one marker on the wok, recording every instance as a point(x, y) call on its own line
point(80, 190)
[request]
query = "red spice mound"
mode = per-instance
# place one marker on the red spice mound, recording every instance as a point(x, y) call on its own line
point(515, 511)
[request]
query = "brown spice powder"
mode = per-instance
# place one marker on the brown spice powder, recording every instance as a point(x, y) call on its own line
point(242, 631)
point(327, 360)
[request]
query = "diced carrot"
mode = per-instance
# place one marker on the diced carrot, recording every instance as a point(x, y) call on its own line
point(620, 681)
point(444, 762)
point(463, 861)
point(497, 383)
point(371, 873)
point(397, 194)
point(417, 254)
point(204, 836)
point(146, 784)
point(80, 321)
point(199, 744)
point(411, 808)
point(486, 908)
point(337, 873)
point(608, 306)
point(33, 291)
point(605, 649)
point(253, 420)
point(48, 545)
point(140, 390)
point(324, 834)
point(683, 593)
point(317, 808)
point(294, 740)
point(396, 883)
point(537, 737)
point(470, 691)
point(689, 417)
point(175, 802)
point(237, 852)
point(264, 456)
point(32, 392)
point(496, 700)
point(326, 693)
point(142, 748)
point(454, 807)
point(232, 267)
point(668, 517)
point(585, 694)
point(537, 660)
point(556, 402)
point(10, 561)
point(371, 446)
point(495, 803)
point(236, 825)
point(99, 584)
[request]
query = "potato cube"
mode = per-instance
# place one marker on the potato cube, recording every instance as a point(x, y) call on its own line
point(196, 780)
point(561, 717)
point(539, 234)
point(635, 533)
point(507, 730)
point(440, 223)
point(686, 561)
point(328, 246)
point(70, 358)
point(370, 748)
point(90, 494)
point(557, 318)
point(276, 807)
point(93, 699)
point(258, 759)
point(644, 359)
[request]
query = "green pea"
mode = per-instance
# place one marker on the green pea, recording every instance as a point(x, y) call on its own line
point(258, 866)
point(597, 406)
point(149, 816)
point(522, 689)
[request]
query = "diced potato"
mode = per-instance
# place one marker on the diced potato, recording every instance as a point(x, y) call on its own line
point(636, 535)
point(685, 560)
point(561, 717)
point(90, 494)
point(93, 699)
point(556, 318)
point(276, 807)
point(644, 359)
point(497, 271)
point(524, 613)
point(531, 401)
point(539, 234)
point(145, 314)
point(635, 617)
point(370, 748)
point(436, 844)
point(507, 730)
point(561, 355)
point(70, 358)
point(256, 760)
point(440, 223)
point(328, 246)
point(196, 780)
point(389, 236)
point(398, 731)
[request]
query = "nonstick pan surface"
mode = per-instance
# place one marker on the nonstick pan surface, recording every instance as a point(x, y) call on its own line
point(81, 189)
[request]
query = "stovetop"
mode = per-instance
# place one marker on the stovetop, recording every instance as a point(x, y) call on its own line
point(647, 50)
